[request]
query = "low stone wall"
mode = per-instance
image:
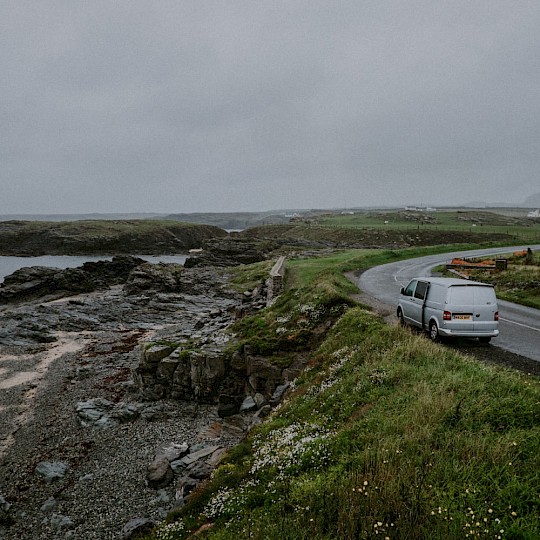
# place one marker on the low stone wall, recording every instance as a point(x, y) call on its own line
point(275, 282)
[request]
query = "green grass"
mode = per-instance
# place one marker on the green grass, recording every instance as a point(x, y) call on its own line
point(385, 435)
point(520, 283)
point(247, 277)
point(478, 222)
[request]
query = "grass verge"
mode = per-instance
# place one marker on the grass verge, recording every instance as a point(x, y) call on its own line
point(519, 283)
point(385, 435)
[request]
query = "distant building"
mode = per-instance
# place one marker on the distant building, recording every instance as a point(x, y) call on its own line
point(420, 209)
point(534, 214)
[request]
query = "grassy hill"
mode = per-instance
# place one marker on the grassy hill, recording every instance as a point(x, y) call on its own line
point(102, 237)
point(385, 435)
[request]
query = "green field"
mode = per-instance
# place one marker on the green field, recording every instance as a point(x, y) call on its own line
point(474, 221)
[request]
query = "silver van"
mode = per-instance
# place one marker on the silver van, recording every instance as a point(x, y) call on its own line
point(450, 307)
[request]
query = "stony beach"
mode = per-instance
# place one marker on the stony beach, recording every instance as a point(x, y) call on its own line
point(64, 477)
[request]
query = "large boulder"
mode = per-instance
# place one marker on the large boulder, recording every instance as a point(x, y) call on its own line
point(137, 528)
point(156, 277)
point(263, 375)
point(51, 471)
point(5, 517)
point(61, 523)
point(102, 413)
point(159, 473)
point(207, 370)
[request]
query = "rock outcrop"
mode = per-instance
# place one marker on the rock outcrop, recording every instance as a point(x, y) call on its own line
point(231, 251)
point(38, 281)
point(241, 382)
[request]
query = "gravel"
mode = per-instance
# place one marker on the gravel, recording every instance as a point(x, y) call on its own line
point(104, 485)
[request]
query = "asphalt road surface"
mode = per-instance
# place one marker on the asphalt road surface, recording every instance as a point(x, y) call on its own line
point(519, 326)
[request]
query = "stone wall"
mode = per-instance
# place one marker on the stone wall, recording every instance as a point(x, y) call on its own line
point(275, 282)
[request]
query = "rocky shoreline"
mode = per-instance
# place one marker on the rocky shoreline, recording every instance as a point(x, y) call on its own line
point(100, 438)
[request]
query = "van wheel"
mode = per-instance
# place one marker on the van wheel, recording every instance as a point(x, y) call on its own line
point(433, 331)
point(401, 319)
point(484, 339)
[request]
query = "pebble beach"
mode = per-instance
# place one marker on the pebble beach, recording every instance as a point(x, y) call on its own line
point(93, 343)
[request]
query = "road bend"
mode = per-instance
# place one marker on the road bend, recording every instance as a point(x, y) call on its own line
point(519, 325)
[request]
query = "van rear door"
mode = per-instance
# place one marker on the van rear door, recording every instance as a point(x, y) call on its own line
point(473, 307)
point(461, 306)
point(485, 307)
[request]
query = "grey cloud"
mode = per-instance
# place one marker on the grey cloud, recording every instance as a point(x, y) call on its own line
point(221, 106)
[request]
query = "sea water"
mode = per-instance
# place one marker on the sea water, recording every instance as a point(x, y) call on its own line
point(8, 265)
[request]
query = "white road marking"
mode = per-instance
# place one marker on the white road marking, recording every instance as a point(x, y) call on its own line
point(520, 324)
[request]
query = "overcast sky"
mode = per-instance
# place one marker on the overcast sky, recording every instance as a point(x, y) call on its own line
point(188, 106)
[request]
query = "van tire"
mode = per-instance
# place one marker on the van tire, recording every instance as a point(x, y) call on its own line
point(433, 331)
point(401, 318)
point(484, 339)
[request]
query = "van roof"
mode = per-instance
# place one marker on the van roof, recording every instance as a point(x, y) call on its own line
point(449, 282)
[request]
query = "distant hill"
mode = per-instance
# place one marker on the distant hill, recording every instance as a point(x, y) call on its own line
point(236, 220)
point(78, 217)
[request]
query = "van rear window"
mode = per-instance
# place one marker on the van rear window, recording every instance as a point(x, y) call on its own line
point(484, 295)
point(468, 295)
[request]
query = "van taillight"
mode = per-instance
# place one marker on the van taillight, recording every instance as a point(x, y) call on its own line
point(447, 316)
point(496, 316)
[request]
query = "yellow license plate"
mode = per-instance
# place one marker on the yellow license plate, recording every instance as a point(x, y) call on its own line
point(463, 317)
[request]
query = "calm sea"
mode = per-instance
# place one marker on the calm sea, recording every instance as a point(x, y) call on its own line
point(8, 265)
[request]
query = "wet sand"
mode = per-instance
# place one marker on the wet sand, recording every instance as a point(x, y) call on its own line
point(26, 383)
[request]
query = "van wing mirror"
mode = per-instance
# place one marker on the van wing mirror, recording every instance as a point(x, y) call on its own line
point(402, 291)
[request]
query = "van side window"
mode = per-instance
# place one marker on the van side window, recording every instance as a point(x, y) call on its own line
point(410, 288)
point(421, 290)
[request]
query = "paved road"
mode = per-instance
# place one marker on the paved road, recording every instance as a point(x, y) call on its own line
point(519, 326)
